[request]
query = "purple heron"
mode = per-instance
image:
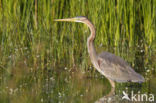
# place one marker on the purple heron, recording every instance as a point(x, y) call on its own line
point(111, 66)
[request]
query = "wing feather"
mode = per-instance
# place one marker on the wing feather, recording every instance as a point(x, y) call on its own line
point(115, 68)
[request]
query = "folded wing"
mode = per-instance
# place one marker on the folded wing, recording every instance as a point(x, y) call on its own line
point(115, 68)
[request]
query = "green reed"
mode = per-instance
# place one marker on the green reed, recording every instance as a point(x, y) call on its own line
point(30, 24)
point(30, 39)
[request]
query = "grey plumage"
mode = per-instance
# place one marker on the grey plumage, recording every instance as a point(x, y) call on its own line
point(117, 69)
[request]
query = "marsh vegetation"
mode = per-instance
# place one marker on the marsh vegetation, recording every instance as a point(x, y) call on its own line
point(45, 61)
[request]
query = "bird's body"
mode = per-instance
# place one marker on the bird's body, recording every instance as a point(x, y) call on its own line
point(111, 66)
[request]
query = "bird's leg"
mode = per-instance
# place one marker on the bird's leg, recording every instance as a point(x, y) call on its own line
point(112, 92)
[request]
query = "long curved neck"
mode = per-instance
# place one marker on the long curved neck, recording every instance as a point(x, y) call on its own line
point(90, 42)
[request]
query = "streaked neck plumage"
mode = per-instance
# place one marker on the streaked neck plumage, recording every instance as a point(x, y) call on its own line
point(90, 42)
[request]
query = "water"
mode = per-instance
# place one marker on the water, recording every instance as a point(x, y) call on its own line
point(65, 85)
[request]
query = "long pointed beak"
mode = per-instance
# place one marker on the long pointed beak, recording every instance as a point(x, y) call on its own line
point(68, 19)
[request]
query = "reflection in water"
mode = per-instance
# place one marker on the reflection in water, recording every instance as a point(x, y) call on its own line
point(132, 93)
point(79, 87)
point(63, 85)
point(111, 99)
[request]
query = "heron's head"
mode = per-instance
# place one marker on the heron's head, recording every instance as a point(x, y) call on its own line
point(75, 19)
